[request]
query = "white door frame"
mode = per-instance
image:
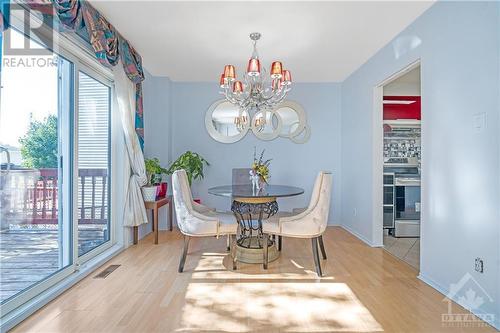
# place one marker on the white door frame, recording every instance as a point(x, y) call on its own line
point(378, 159)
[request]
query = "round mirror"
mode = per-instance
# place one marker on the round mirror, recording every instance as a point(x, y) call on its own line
point(266, 125)
point(293, 119)
point(302, 136)
point(225, 122)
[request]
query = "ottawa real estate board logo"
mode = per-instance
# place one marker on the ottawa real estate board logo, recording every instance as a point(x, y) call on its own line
point(473, 297)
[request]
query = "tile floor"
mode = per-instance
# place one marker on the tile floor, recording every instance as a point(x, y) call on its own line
point(406, 249)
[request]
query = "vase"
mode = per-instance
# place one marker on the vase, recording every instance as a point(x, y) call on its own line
point(149, 193)
point(261, 183)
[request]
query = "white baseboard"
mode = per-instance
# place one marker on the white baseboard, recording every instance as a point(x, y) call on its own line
point(361, 237)
point(332, 223)
point(445, 292)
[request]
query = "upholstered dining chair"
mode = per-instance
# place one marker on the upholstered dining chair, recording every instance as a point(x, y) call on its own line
point(310, 223)
point(193, 223)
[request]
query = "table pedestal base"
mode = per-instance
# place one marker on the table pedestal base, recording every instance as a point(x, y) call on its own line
point(255, 255)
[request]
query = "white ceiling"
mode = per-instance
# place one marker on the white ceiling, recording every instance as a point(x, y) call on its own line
point(317, 41)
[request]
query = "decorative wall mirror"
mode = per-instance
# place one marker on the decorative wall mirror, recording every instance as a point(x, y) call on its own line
point(227, 124)
point(221, 122)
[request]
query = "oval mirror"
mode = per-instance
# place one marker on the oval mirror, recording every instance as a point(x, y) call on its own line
point(225, 122)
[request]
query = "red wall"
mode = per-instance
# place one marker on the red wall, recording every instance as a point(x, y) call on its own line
point(402, 111)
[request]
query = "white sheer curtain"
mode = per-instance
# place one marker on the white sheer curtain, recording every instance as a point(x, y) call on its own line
point(135, 212)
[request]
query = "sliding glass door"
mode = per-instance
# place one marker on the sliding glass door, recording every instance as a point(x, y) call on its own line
point(35, 170)
point(55, 174)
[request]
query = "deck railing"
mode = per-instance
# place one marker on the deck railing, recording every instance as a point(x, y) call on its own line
point(30, 196)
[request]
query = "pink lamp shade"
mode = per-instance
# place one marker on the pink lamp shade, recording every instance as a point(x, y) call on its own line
point(237, 87)
point(222, 81)
point(253, 68)
point(276, 70)
point(286, 78)
point(229, 73)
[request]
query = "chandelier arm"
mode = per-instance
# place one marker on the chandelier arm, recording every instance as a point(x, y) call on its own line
point(231, 97)
point(282, 94)
point(228, 96)
point(277, 98)
point(248, 85)
point(235, 98)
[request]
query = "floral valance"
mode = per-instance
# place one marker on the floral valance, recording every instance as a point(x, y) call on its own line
point(4, 14)
point(108, 45)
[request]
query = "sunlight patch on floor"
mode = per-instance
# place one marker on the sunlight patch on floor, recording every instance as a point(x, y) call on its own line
point(293, 306)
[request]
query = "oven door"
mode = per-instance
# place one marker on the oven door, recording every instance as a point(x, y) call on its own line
point(407, 202)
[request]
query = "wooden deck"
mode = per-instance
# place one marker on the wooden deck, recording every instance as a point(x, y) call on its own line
point(29, 256)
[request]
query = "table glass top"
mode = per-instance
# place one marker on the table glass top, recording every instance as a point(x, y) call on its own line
point(245, 191)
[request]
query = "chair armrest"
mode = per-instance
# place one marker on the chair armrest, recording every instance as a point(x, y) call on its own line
point(196, 224)
point(305, 227)
point(299, 210)
point(201, 208)
point(203, 217)
point(292, 218)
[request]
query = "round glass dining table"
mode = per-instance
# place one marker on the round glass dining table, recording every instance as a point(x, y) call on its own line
point(251, 208)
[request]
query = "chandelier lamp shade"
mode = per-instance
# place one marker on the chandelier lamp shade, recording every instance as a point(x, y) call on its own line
point(257, 91)
point(253, 68)
point(229, 74)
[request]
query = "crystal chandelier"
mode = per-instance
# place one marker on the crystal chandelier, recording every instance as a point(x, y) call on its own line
point(258, 92)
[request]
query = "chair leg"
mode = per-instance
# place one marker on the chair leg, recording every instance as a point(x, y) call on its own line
point(266, 250)
point(317, 263)
point(322, 246)
point(233, 243)
point(279, 243)
point(184, 254)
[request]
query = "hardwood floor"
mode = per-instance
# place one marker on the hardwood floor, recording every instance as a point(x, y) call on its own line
point(364, 290)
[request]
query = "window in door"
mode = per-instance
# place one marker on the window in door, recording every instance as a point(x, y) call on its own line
point(93, 163)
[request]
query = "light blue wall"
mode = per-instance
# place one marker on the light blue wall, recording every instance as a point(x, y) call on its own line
point(157, 130)
point(293, 164)
point(458, 44)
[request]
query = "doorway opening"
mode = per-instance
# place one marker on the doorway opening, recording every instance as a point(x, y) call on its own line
point(401, 126)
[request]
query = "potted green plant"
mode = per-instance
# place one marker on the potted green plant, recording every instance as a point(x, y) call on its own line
point(193, 163)
point(154, 172)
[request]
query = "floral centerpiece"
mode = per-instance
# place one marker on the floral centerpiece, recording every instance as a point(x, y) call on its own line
point(259, 175)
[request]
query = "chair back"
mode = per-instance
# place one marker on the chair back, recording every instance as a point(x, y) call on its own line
point(241, 176)
point(182, 198)
point(319, 205)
